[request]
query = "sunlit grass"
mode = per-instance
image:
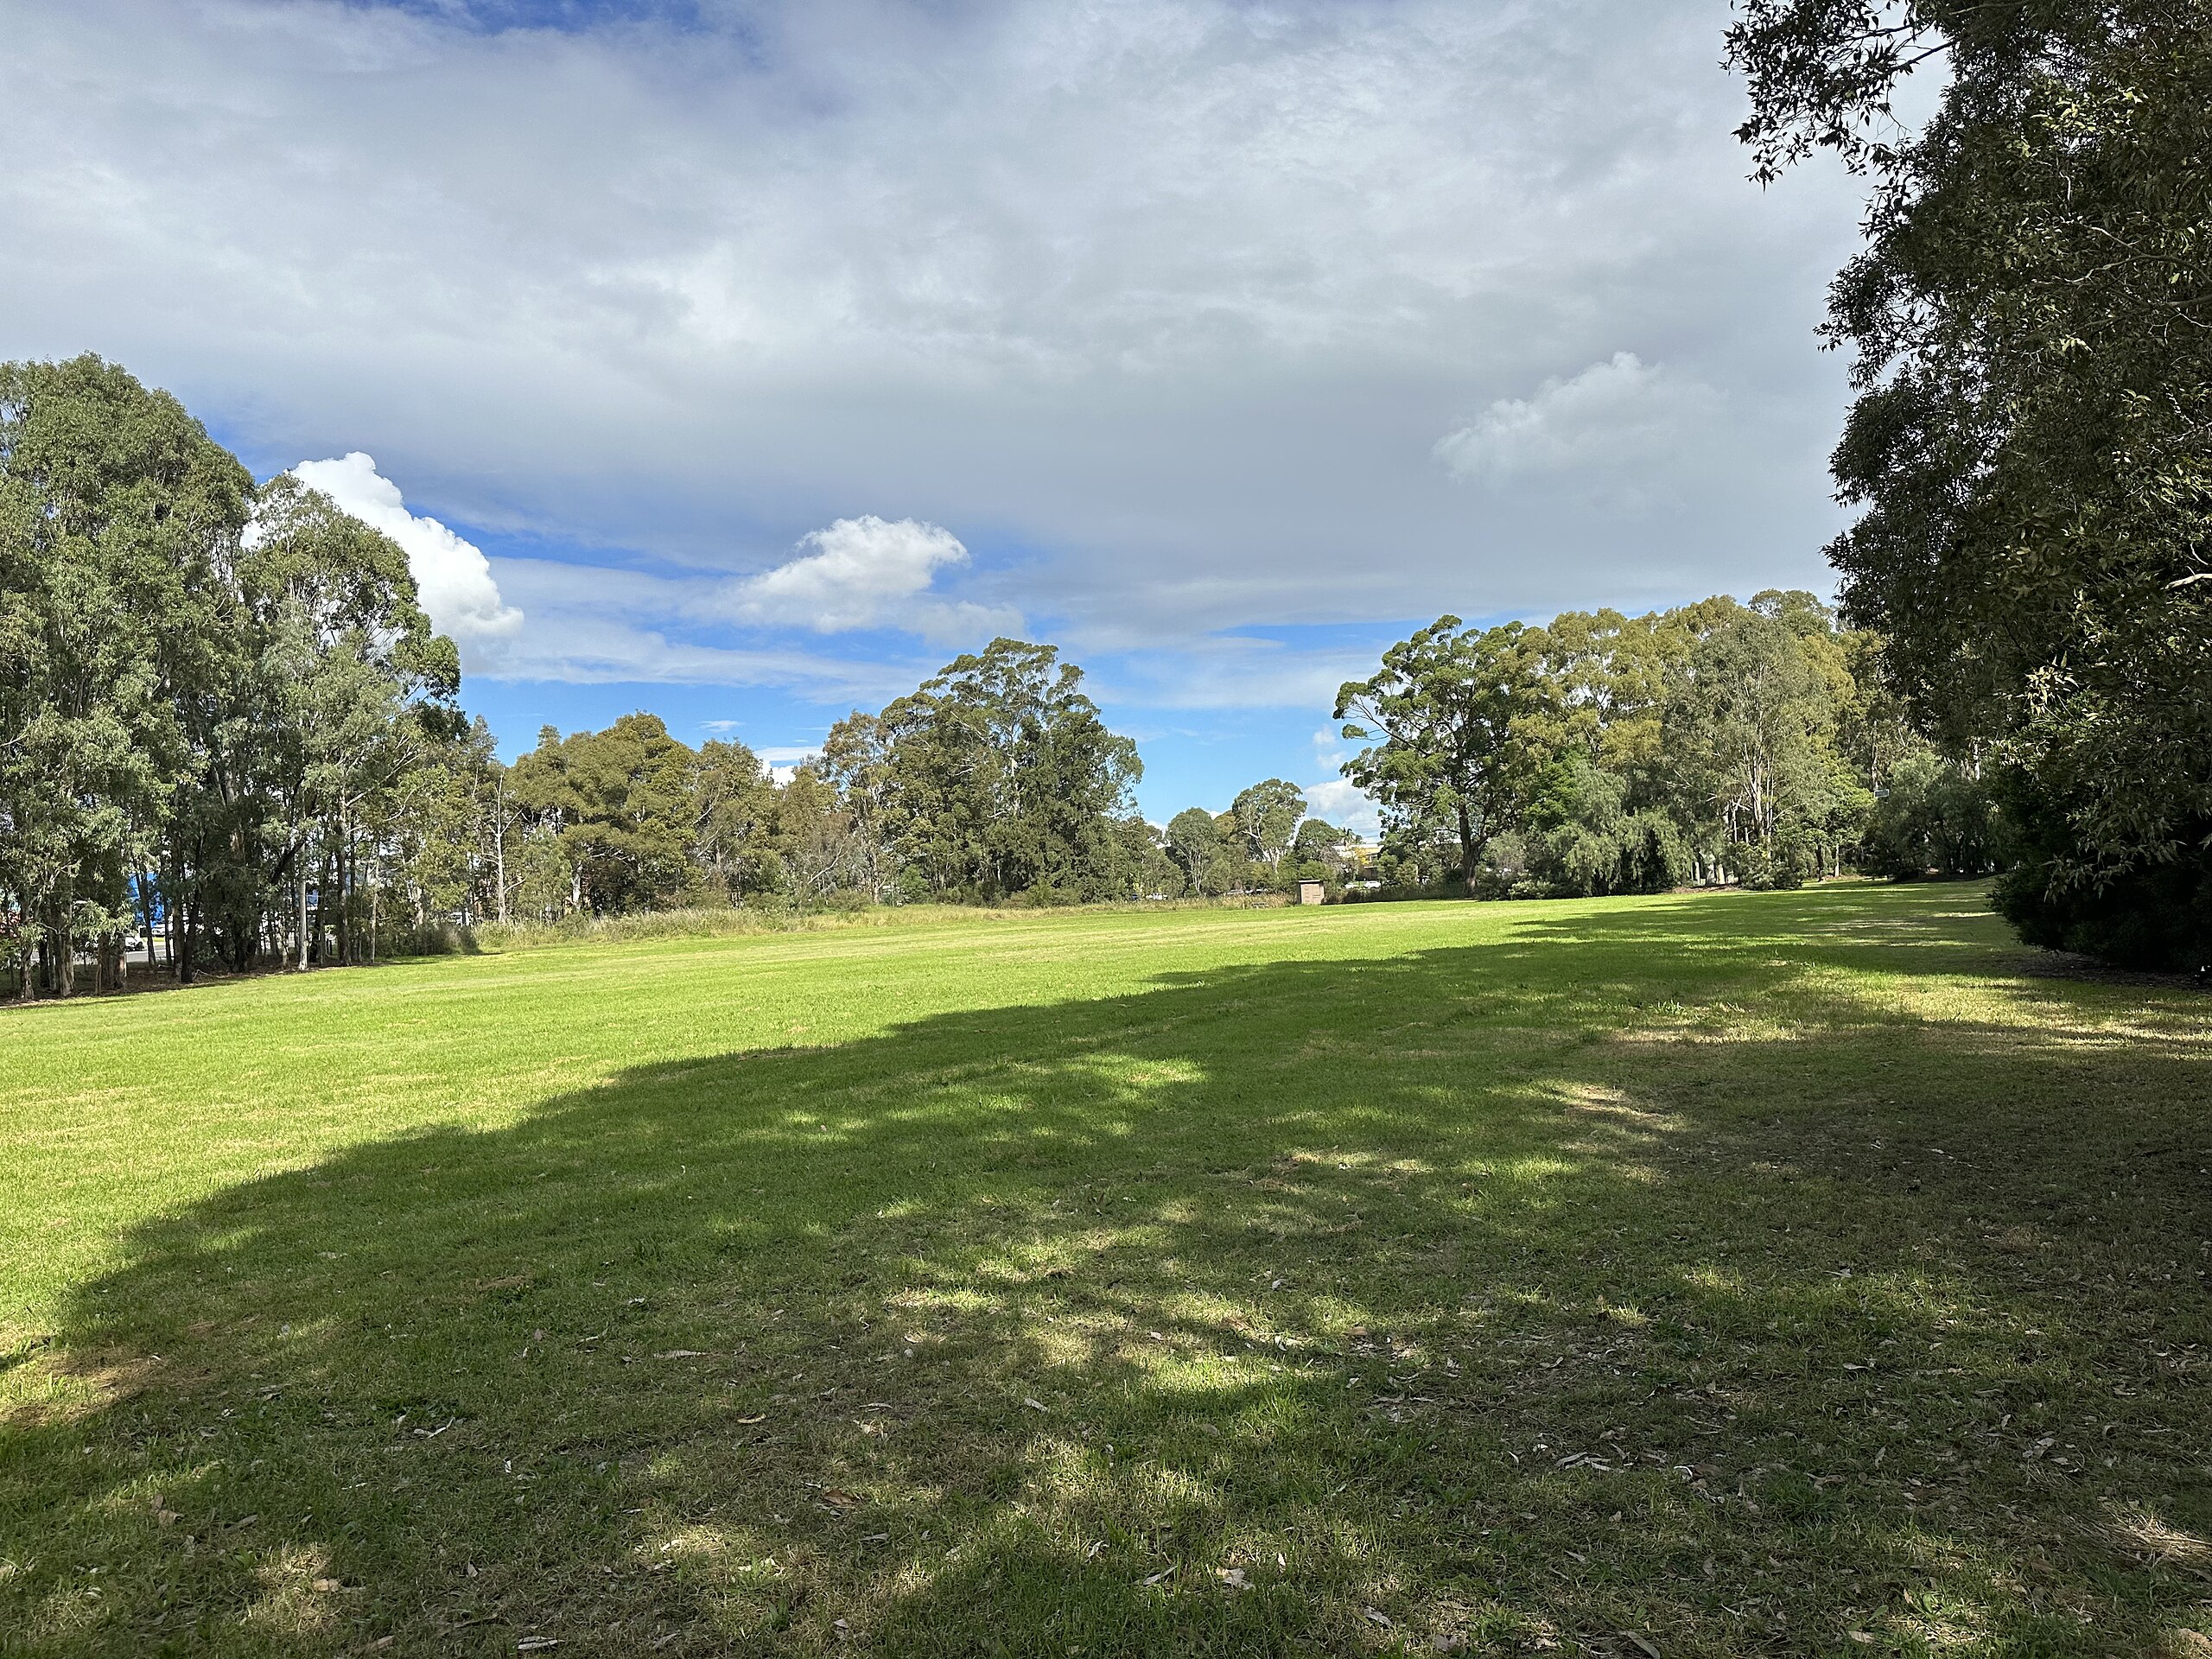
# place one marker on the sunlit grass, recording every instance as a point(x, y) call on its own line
point(1791, 1273)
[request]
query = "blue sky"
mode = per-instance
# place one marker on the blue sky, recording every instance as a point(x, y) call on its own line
point(744, 361)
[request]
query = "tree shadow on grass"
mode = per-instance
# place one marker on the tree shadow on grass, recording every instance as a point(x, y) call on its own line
point(1649, 1272)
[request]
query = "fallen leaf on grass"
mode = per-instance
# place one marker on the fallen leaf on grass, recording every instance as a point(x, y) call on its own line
point(1161, 1577)
point(684, 1353)
point(1642, 1646)
point(1233, 1576)
point(838, 1498)
point(536, 1643)
point(1033, 1405)
point(757, 1417)
point(1383, 1619)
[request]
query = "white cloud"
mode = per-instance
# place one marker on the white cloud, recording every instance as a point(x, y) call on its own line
point(1615, 414)
point(860, 571)
point(866, 573)
point(452, 576)
point(1340, 803)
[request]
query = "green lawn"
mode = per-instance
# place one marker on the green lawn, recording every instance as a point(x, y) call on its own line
point(1791, 1274)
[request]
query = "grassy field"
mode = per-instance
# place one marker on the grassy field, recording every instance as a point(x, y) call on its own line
point(1792, 1273)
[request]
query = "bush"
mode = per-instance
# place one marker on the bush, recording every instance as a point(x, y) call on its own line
point(1582, 841)
point(1935, 819)
point(2142, 915)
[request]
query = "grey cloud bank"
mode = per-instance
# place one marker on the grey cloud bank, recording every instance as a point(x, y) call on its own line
point(1172, 317)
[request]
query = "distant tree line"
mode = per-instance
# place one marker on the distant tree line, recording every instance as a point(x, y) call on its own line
point(1758, 745)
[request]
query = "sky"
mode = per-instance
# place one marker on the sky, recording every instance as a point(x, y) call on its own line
point(745, 361)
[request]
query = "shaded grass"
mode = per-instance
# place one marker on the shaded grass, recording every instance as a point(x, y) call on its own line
point(1792, 1273)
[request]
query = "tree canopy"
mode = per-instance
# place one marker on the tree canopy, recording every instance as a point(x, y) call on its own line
point(1608, 754)
point(2030, 448)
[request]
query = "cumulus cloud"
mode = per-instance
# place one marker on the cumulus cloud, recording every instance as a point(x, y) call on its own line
point(868, 573)
point(858, 575)
point(1339, 802)
point(453, 576)
point(1615, 414)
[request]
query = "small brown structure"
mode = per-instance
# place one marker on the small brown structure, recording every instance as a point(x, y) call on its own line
point(1309, 892)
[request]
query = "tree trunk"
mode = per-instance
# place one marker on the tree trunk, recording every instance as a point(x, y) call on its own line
point(326, 884)
point(300, 872)
point(343, 860)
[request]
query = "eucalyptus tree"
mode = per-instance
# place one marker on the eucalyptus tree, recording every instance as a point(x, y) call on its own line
point(354, 693)
point(997, 777)
point(620, 803)
point(119, 521)
point(1748, 737)
point(859, 761)
point(1267, 817)
point(1195, 841)
point(733, 806)
point(1444, 716)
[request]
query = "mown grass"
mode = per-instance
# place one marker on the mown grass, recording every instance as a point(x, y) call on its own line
point(1790, 1274)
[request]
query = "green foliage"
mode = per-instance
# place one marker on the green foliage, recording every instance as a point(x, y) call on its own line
point(1441, 714)
point(622, 803)
point(1747, 738)
point(1605, 754)
point(1267, 818)
point(1580, 839)
point(2149, 915)
point(2031, 447)
point(207, 684)
point(996, 778)
point(1201, 852)
point(1936, 818)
